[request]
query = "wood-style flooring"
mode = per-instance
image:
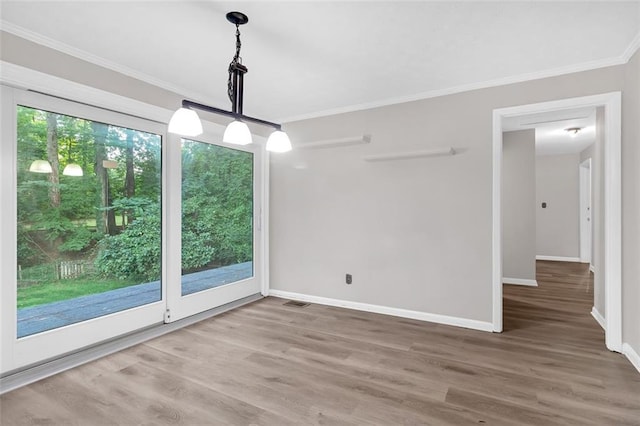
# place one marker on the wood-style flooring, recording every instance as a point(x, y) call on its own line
point(270, 364)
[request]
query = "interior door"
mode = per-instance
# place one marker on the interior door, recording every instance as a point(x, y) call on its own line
point(586, 222)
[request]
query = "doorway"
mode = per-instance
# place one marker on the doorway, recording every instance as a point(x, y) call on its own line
point(612, 202)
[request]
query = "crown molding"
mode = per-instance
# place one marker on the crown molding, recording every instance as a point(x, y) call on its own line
point(631, 49)
point(93, 59)
point(105, 63)
point(585, 66)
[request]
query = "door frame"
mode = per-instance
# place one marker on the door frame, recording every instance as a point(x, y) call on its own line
point(586, 231)
point(21, 352)
point(612, 204)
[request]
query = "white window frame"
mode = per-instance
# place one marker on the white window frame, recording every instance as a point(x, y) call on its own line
point(180, 306)
point(18, 77)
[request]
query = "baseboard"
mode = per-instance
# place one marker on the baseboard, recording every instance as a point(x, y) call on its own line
point(592, 268)
point(386, 310)
point(558, 258)
point(519, 281)
point(599, 318)
point(631, 355)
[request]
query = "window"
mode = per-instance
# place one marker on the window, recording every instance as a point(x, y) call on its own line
point(217, 216)
point(89, 219)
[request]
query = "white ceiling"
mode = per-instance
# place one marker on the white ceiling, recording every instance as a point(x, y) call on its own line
point(310, 58)
point(551, 135)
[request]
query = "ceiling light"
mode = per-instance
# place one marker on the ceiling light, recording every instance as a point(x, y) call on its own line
point(278, 142)
point(237, 133)
point(72, 170)
point(573, 131)
point(40, 166)
point(186, 122)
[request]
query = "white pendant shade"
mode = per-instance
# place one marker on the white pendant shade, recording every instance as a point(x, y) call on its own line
point(237, 133)
point(40, 166)
point(278, 142)
point(185, 122)
point(72, 170)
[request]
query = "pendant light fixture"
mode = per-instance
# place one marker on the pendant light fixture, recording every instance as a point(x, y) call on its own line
point(40, 166)
point(72, 169)
point(185, 121)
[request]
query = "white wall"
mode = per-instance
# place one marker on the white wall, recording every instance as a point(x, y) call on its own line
point(518, 207)
point(558, 225)
point(631, 206)
point(599, 212)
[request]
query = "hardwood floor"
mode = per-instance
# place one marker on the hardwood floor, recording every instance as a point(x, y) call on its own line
point(271, 364)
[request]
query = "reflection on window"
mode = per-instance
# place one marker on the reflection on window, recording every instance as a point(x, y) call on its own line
point(89, 222)
point(217, 216)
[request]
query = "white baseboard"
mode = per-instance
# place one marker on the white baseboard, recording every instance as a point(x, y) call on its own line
point(519, 281)
point(599, 318)
point(386, 310)
point(631, 355)
point(592, 268)
point(558, 258)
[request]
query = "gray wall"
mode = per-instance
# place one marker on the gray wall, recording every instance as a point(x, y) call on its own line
point(518, 205)
point(447, 200)
point(558, 225)
point(415, 234)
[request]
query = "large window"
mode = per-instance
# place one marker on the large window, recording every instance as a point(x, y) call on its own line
point(89, 219)
point(111, 225)
point(217, 216)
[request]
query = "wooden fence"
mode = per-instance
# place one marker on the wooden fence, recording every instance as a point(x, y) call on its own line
point(62, 270)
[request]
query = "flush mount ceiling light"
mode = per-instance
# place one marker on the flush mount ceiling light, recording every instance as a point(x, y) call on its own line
point(185, 121)
point(573, 131)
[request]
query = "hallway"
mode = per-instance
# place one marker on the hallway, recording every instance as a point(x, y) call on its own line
point(559, 308)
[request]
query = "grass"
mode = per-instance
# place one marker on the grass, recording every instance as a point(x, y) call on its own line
point(54, 291)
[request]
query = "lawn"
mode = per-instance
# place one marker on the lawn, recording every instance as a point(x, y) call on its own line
point(53, 291)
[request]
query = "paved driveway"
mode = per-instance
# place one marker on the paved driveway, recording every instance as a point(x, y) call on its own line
point(36, 319)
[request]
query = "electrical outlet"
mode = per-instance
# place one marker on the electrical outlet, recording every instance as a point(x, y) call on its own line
point(349, 279)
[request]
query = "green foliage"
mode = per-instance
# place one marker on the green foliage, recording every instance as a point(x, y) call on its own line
point(197, 249)
point(77, 239)
point(217, 200)
point(136, 252)
point(217, 205)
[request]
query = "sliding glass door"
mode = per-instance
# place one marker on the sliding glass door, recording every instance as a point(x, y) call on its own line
point(110, 226)
point(219, 210)
point(82, 226)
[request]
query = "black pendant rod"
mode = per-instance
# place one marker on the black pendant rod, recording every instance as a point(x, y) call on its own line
point(194, 105)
